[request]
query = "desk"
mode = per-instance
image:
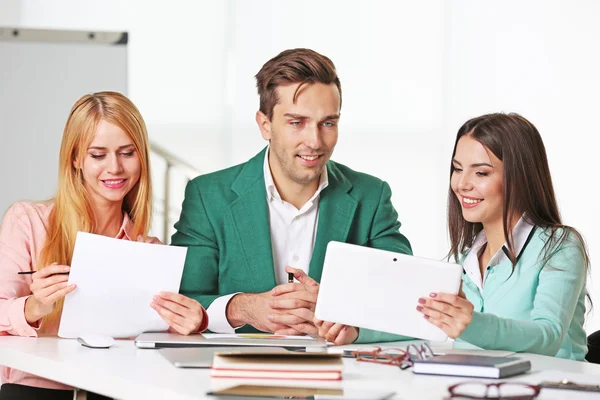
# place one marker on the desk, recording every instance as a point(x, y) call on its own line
point(126, 372)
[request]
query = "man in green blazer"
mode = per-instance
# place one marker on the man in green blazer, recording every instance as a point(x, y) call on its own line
point(248, 226)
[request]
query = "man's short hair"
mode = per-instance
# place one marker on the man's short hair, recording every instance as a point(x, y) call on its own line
point(302, 66)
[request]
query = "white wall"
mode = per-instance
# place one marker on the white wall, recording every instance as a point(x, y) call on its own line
point(35, 103)
point(540, 59)
point(412, 73)
point(176, 69)
point(10, 12)
point(392, 93)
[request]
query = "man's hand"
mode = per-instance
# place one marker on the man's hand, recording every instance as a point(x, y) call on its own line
point(296, 303)
point(288, 309)
point(295, 307)
point(252, 309)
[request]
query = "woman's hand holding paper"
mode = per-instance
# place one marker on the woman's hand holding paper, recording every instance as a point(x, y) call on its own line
point(49, 285)
point(184, 315)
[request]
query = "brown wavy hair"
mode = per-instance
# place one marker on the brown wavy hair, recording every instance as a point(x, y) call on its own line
point(527, 185)
point(73, 211)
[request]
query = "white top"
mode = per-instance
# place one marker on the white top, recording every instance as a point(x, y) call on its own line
point(293, 234)
point(520, 233)
point(127, 373)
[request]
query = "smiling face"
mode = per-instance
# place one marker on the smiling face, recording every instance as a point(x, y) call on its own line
point(111, 166)
point(477, 182)
point(302, 134)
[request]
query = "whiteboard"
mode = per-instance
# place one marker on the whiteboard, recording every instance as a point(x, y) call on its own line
point(42, 74)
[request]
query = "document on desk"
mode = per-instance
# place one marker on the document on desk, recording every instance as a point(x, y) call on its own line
point(116, 280)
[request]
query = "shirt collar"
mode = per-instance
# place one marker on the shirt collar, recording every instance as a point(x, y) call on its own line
point(126, 231)
point(520, 234)
point(272, 192)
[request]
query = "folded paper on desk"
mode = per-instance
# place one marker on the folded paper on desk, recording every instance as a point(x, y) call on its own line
point(116, 280)
point(277, 363)
point(473, 366)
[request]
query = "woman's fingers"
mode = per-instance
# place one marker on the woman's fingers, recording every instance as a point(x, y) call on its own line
point(438, 307)
point(49, 270)
point(448, 330)
point(59, 294)
point(449, 312)
point(453, 299)
point(170, 317)
point(171, 306)
point(182, 313)
point(48, 282)
point(44, 296)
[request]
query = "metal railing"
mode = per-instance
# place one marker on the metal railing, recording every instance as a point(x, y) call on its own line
point(171, 161)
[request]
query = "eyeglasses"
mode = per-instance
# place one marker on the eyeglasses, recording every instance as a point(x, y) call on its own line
point(402, 358)
point(501, 390)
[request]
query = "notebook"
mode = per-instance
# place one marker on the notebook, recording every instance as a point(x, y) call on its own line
point(472, 366)
point(379, 290)
point(277, 363)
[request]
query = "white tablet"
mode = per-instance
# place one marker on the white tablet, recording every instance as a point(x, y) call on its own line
point(379, 290)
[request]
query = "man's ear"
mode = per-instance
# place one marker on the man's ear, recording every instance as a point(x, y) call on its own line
point(264, 125)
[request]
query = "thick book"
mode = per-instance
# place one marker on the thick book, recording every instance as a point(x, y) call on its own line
point(472, 366)
point(277, 363)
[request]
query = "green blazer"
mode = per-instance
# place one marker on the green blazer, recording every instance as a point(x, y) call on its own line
point(224, 224)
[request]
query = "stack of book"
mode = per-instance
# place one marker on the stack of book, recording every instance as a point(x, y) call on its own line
point(276, 363)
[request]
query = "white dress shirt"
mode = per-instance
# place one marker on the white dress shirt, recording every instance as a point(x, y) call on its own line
point(293, 234)
point(520, 233)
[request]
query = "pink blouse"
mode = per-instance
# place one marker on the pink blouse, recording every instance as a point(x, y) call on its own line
point(22, 236)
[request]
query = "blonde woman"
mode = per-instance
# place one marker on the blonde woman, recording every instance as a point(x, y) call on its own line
point(103, 187)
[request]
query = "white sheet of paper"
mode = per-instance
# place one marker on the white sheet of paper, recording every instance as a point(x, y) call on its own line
point(116, 280)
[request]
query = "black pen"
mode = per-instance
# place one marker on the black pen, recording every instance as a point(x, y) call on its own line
point(32, 272)
point(290, 277)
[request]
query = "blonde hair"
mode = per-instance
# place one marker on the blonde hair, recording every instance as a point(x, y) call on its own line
point(73, 211)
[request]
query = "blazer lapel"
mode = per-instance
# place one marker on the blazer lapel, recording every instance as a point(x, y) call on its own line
point(250, 214)
point(336, 212)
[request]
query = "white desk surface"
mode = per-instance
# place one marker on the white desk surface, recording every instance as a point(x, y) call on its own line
point(125, 372)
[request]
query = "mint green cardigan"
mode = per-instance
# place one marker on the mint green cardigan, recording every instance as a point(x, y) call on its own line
point(224, 223)
point(540, 308)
